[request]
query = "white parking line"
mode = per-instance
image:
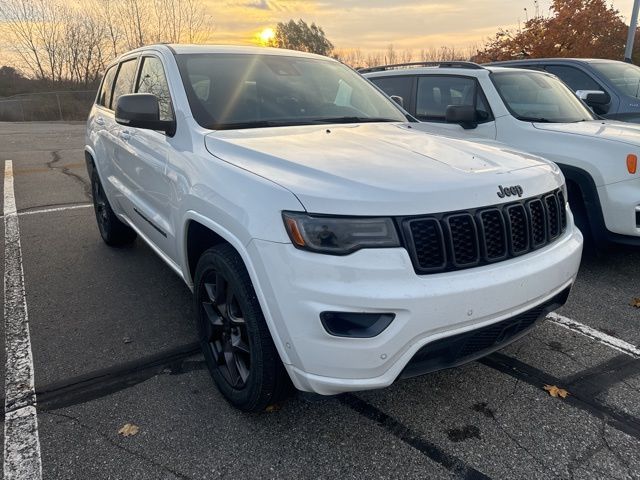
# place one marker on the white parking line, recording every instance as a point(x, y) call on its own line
point(21, 440)
point(54, 209)
point(597, 335)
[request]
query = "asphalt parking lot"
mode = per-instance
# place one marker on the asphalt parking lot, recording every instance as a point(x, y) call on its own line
point(113, 342)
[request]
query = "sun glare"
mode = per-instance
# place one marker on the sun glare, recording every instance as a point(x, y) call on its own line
point(266, 35)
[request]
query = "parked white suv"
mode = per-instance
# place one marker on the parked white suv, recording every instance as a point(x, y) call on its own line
point(326, 240)
point(535, 112)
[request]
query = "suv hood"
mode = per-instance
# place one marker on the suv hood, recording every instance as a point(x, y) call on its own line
point(381, 168)
point(605, 129)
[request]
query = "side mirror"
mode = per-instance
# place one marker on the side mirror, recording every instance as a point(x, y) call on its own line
point(464, 115)
point(398, 99)
point(142, 110)
point(594, 97)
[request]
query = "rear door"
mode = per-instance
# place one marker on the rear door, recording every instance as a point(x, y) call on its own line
point(101, 124)
point(434, 93)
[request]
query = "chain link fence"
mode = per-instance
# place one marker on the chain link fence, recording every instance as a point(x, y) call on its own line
point(47, 106)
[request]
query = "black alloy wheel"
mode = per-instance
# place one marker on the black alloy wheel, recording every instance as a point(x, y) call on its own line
point(235, 339)
point(225, 331)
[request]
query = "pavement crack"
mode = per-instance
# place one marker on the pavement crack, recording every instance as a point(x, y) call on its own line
point(607, 445)
point(118, 445)
point(55, 158)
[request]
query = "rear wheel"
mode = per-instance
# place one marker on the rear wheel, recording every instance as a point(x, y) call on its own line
point(234, 336)
point(112, 230)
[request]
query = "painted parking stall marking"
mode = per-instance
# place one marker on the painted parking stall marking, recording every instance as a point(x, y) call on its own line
point(597, 335)
point(21, 441)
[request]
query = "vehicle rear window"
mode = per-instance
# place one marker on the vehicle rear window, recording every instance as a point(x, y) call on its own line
point(104, 97)
point(124, 80)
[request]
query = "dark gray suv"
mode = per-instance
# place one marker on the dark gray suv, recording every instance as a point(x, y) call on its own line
point(610, 87)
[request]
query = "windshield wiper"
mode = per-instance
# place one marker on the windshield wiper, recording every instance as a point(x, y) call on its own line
point(536, 119)
point(355, 120)
point(258, 124)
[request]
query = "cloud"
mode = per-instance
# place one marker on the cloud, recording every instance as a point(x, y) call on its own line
point(259, 4)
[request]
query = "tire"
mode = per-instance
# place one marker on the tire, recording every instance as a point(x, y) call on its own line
point(112, 230)
point(235, 340)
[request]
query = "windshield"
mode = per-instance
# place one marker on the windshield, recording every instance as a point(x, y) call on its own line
point(623, 75)
point(539, 97)
point(232, 91)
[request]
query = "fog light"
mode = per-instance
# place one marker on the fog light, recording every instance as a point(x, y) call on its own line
point(355, 325)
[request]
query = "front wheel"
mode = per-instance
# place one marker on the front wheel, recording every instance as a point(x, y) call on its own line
point(234, 336)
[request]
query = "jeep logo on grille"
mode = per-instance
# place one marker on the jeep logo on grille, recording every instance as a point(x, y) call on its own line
point(510, 191)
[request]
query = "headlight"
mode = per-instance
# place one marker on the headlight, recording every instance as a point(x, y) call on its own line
point(339, 235)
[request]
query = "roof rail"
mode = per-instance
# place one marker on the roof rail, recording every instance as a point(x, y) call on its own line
point(453, 64)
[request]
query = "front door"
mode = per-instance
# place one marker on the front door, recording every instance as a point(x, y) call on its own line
point(434, 93)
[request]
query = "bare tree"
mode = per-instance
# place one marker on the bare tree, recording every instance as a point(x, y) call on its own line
point(58, 41)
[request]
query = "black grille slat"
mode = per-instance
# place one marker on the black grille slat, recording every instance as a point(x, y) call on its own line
point(517, 229)
point(458, 240)
point(463, 238)
point(428, 241)
point(538, 222)
point(562, 203)
point(493, 234)
point(553, 216)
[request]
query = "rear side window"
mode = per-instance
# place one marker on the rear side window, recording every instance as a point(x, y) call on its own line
point(400, 86)
point(576, 79)
point(436, 93)
point(124, 80)
point(153, 80)
point(104, 97)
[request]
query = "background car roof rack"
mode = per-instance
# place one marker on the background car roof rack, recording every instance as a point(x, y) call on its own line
point(453, 64)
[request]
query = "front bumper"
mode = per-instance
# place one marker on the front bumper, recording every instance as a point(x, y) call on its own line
point(620, 203)
point(297, 286)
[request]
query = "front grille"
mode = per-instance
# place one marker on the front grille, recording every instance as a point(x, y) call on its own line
point(464, 347)
point(459, 240)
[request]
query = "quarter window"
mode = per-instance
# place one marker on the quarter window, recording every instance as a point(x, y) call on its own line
point(437, 92)
point(153, 80)
point(124, 80)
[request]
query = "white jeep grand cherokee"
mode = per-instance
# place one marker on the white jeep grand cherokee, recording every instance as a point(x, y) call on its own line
point(326, 241)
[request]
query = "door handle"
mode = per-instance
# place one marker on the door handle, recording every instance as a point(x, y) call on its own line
point(100, 121)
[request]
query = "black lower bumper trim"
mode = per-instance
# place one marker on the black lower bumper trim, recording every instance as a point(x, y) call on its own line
point(465, 347)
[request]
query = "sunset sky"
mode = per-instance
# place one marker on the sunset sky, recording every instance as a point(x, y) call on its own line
point(374, 24)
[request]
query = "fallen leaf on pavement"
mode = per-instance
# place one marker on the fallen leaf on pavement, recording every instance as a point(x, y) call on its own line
point(635, 302)
point(556, 392)
point(273, 408)
point(128, 430)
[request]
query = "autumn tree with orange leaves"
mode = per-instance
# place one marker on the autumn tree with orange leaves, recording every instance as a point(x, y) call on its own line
point(574, 28)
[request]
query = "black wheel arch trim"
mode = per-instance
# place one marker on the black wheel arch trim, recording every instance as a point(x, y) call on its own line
point(591, 201)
